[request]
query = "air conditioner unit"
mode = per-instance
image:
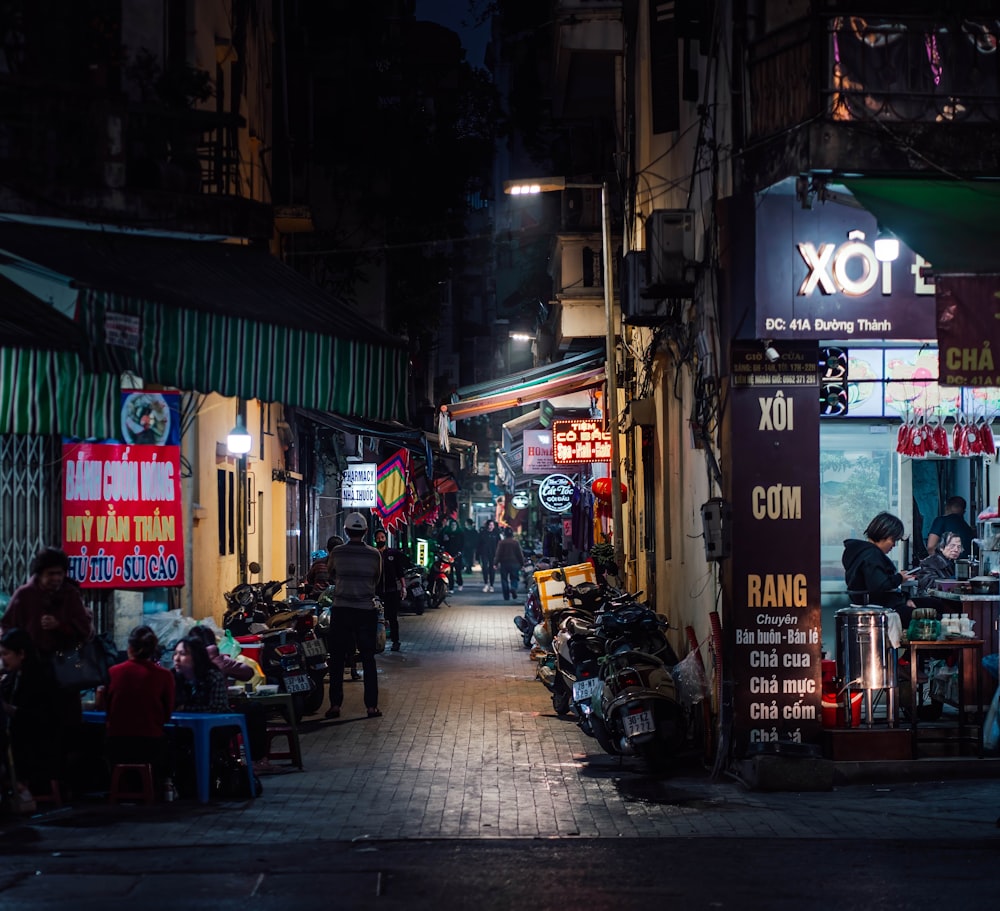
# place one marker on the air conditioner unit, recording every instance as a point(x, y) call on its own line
point(638, 309)
point(481, 488)
point(670, 249)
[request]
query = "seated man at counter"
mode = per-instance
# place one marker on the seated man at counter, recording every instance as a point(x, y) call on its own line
point(952, 520)
point(868, 569)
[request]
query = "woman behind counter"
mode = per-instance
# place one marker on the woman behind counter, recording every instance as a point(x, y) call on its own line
point(941, 564)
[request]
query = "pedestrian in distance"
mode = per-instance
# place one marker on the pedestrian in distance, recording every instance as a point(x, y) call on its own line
point(470, 538)
point(391, 587)
point(451, 540)
point(509, 560)
point(357, 568)
point(486, 550)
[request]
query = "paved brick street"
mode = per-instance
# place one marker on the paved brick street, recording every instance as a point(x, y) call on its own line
point(469, 747)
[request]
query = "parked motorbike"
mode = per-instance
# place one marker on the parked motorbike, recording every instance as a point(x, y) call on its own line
point(437, 577)
point(576, 647)
point(533, 614)
point(561, 638)
point(292, 655)
point(636, 711)
point(416, 598)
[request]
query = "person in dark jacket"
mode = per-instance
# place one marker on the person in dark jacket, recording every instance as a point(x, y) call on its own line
point(29, 723)
point(486, 550)
point(509, 560)
point(868, 569)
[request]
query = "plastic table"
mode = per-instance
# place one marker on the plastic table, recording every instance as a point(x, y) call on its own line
point(201, 724)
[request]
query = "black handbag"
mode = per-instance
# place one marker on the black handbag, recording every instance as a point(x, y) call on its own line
point(84, 667)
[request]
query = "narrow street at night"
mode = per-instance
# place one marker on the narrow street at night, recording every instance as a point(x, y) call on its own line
point(471, 793)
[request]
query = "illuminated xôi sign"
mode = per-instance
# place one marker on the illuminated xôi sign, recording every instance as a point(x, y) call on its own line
point(580, 442)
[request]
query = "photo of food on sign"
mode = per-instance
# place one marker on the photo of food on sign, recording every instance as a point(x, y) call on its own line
point(146, 419)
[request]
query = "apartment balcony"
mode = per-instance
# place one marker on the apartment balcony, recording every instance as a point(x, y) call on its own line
point(78, 153)
point(588, 37)
point(860, 94)
point(578, 286)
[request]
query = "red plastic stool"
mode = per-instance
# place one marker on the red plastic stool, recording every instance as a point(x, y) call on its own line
point(293, 751)
point(141, 772)
point(52, 796)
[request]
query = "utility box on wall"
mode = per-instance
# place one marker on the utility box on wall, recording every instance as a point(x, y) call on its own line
point(657, 279)
point(716, 522)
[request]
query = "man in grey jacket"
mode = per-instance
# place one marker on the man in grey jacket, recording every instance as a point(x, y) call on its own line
point(356, 569)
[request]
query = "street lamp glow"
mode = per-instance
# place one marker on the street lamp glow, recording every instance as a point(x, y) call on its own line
point(533, 185)
point(886, 248)
point(239, 442)
point(548, 185)
point(521, 337)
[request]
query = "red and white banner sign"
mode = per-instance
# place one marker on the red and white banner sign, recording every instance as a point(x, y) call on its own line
point(122, 523)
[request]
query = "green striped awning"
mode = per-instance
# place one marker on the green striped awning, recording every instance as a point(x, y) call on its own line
point(206, 316)
point(47, 392)
point(216, 352)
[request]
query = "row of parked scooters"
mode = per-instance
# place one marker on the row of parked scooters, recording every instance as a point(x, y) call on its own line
point(290, 636)
point(604, 656)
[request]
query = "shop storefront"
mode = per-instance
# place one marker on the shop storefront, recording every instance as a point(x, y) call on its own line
point(834, 373)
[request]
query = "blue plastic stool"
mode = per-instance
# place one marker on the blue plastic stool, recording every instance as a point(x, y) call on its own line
point(201, 724)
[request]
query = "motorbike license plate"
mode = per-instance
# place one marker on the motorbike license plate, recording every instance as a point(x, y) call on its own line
point(584, 689)
point(313, 647)
point(416, 591)
point(298, 683)
point(640, 723)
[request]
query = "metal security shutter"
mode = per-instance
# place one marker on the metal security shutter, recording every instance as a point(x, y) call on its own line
point(31, 513)
point(30, 499)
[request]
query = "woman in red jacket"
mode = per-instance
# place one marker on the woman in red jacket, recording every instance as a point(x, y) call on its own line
point(140, 699)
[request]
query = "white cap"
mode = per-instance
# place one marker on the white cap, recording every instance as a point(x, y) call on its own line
point(356, 522)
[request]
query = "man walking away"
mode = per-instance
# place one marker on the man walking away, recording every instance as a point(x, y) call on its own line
point(391, 585)
point(510, 559)
point(470, 538)
point(357, 567)
point(486, 550)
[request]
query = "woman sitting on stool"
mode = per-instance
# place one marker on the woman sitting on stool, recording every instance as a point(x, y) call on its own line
point(868, 569)
point(140, 700)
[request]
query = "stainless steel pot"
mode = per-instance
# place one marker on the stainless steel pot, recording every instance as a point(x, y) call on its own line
point(865, 658)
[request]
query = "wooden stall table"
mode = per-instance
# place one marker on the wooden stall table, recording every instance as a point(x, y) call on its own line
point(968, 649)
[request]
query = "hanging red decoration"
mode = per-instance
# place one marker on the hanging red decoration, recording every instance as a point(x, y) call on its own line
point(602, 490)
